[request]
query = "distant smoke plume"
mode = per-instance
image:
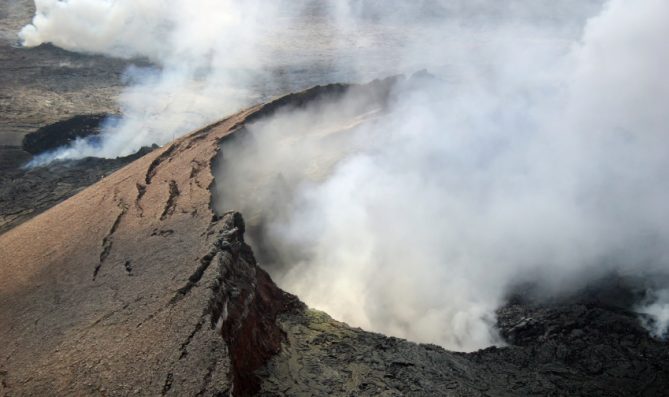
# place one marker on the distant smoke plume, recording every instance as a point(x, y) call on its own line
point(213, 57)
point(538, 153)
point(208, 55)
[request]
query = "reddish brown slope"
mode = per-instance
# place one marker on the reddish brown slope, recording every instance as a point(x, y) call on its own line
point(87, 296)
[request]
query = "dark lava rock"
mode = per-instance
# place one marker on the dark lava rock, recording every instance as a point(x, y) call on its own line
point(25, 193)
point(12, 157)
point(63, 133)
point(567, 349)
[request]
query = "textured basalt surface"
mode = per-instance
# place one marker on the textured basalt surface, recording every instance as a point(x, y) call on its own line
point(575, 348)
point(26, 192)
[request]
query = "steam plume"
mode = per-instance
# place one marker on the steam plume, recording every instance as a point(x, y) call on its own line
point(538, 155)
point(213, 57)
point(545, 169)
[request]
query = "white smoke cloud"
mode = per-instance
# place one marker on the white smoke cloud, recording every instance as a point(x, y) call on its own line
point(214, 57)
point(538, 156)
point(121, 28)
point(537, 163)
point(209, 58)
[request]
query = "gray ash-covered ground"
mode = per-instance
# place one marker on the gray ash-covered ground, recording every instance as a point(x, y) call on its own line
point(45, 84)
point(40, 86)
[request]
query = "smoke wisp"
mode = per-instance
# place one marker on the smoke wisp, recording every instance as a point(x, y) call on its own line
point(656, 312)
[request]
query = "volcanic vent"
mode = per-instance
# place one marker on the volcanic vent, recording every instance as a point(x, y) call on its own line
point(136, 286)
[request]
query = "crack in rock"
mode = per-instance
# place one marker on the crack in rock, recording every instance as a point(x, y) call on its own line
point(171, 203)
point(184, 345)
point(128, 267)
point(107, 241)
point(141, 190)
point(153, 167)
point(3, 379)
point(162, 233)
point(168, 383)
point(207, 378)
point(194, 278)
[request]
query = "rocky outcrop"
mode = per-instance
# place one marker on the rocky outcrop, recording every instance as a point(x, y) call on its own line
point(245, 305)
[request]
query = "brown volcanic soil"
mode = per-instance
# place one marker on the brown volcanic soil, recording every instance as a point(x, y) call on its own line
point(135, 287)
point(87, 288)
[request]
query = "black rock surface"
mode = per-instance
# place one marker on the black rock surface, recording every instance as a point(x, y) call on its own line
point(573, 348)
point(27, 192)
point(63, 133)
